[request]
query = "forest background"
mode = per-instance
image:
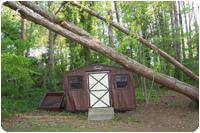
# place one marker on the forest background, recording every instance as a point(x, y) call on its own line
point(33, 58)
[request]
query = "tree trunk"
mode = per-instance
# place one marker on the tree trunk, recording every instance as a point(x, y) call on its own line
point(30, 36)
point(97, 46)
point(23, 31)
point(196, 28)
point(116, 11)
point(176, 39)
point(187, 32)
point(190, 35)
point(182, 33)
point(50, 63)
point(110, 31)
point(143, 41)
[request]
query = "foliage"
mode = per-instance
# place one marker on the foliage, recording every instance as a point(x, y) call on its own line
point(16, 75)
point(29, 101)
point(20, 75)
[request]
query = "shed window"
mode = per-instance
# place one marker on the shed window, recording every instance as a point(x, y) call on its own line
point(76, 82)
point(121, 80)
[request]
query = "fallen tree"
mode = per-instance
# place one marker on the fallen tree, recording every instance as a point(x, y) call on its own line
point(97, 46)
point(54, 18)
point(169, 58)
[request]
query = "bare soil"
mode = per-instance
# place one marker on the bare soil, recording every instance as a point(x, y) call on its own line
point(171, 113)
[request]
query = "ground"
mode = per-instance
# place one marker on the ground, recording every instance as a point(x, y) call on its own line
point(172, 112)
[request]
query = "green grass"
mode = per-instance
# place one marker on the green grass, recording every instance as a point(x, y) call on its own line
point(78, 115)
point(40, 125)
point(45, 128)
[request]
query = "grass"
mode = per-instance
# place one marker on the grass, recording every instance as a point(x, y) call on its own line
point(44, 128)
point(47, 124)
point(78, 115)
point(57, 121)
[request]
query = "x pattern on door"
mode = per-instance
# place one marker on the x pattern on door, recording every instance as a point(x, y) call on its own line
point(99, 90)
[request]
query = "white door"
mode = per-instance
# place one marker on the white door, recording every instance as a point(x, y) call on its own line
point(98, 90)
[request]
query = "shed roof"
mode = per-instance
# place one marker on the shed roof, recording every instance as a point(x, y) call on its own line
point(103, 66)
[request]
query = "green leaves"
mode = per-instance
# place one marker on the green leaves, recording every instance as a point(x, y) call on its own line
point(17, 74)
point(16, 65)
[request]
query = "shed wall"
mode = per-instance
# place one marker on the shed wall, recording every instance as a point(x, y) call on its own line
point(78, 100)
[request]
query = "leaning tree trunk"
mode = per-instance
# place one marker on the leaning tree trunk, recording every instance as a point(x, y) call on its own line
point(142, 40)
point(97, 46)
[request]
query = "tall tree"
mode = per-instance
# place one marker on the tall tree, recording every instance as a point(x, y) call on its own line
point(116, 11)
point(143, 41)
point(96, 45)
point(181, 28)
point(110, 31)
point(50, 63)
point(176, 39)
point(187, 27)
point(23, 29)
point(196, 28)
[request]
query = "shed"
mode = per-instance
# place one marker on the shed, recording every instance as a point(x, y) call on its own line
point(97, 86)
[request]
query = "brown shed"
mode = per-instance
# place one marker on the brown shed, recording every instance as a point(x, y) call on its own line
point(99, 86)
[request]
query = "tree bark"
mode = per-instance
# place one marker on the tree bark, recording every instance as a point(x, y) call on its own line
point(196, 28)
point(23, 32)
point(177, 42)
point(23, 29)
point(176, 37)
point(50, 63)
point(143, 41)
point(54, 18)
point(116, 12)
point(190, 34)
point(110, 31)
point(187, 32)
point(30, 36)
point(97, 46)
point(182, 33)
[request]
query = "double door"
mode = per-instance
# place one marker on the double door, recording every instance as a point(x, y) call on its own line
point(99, 89)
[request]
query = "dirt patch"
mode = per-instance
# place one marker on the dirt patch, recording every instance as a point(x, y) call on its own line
point(170, 113)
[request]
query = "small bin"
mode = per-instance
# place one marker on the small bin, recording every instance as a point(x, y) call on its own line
point(52, 101)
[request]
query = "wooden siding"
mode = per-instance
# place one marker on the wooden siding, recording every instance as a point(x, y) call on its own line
point(122, 99)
